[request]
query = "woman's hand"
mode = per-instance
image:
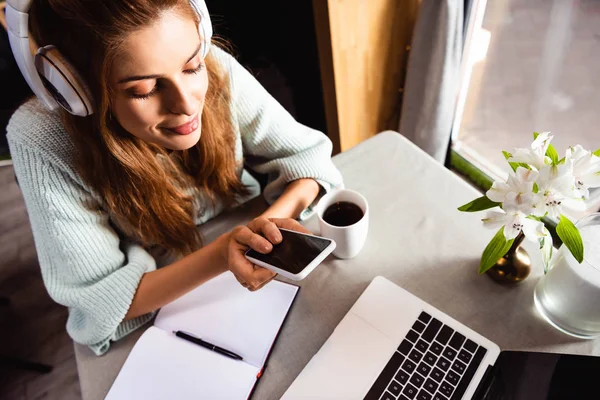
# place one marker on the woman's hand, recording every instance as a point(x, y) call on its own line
point(260, 234)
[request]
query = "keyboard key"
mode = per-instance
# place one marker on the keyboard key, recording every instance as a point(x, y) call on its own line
point(453, 377)
point(405, 347)
point(423, 395)
point(409, 366)
point(430, 358)
point(418, 326)
point(465, 356)
point(437, 374)
point(403, 397)
point(446, 389)
point(444, 334)
point(459, 367)
point(422, 346)
point(415, 356)
point(449, 353)
point(457, 340)
point(412, 336)
point(394, 388)
point(385, 377)
point(424, 317)
point(423, 369)
point(443, 364)
point(432, 330)
point(417, 380)
point(388, 396)
point(471, 345)
point(439, 397)
point(402, 377)
point(471, 369)
point(436, 348)
point(410, 391)
point(430, 385)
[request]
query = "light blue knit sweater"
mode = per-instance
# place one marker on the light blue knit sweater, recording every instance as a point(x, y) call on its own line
point(87, 262)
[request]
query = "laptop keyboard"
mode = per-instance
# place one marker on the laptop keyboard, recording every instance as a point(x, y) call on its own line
point(433, 362)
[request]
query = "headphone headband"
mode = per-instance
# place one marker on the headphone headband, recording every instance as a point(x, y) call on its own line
point(17, 21)
point(53, 80)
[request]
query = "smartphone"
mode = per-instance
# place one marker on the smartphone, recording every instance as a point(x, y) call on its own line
point(296, 256)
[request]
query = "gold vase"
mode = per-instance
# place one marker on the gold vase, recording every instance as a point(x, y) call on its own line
point(514, 266)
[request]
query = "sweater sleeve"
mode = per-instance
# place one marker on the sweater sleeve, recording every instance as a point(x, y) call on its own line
point(84, 264)
point(274, 143)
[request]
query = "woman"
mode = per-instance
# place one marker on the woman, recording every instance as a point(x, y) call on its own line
point(111, 194)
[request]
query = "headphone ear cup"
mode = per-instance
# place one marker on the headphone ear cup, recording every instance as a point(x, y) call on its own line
point(63, 82)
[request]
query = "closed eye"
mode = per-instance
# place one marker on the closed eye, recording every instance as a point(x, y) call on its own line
point(145, 96)
point(195, 70)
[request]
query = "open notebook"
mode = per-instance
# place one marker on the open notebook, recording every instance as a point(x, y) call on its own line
point(222, 312)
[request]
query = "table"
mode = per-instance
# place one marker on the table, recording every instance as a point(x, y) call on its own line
point(417, 239)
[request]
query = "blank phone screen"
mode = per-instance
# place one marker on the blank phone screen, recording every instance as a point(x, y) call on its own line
point(294, 252)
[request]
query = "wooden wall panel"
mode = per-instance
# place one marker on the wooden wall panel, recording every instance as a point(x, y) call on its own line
point(363, 50)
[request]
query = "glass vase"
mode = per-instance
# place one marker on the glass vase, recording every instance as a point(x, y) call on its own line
point(568, 296)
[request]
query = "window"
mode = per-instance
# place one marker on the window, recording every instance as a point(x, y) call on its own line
point(528, 65)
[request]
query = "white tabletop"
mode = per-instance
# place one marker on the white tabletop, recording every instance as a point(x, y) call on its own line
point(417, 239)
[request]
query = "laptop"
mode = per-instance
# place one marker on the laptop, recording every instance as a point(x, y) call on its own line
point(391, 345)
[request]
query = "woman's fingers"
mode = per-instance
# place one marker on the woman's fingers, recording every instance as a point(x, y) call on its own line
point(263, 284)
point(246, 237)
point(249, 275)
point(268, 229)
point(240, 280)
point(245, 271)
point(290, 224)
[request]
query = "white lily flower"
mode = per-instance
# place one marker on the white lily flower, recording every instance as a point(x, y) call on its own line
point(555, 185)
point(536, 156)
point(514, 222)
point(516, 192)
point(586, 169)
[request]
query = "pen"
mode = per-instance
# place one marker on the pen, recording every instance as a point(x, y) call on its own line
point(210, 346)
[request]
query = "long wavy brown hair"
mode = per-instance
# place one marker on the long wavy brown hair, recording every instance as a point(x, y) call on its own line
point(136, 188)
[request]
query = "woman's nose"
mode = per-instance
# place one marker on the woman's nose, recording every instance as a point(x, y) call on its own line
point(181, 101)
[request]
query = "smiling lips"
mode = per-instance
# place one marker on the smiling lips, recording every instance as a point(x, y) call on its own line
point(186, 128)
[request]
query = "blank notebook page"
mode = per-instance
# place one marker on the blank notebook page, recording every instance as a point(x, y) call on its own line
point(226, 314)
point(160, 367)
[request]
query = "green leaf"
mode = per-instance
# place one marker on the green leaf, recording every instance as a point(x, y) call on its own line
point(535, 135)
point(553, 154)
point(597, 153)
point(536, 188)
point(568, 233)
point(481, 203)
point(562, 160)
point(514, 165)
point(494, 251)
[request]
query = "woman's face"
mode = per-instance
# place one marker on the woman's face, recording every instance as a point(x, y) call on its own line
point(159, 82)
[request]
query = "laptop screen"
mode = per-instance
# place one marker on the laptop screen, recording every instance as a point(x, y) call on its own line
point(535, 376)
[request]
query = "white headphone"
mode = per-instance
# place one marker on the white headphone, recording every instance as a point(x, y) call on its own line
point(49, 74)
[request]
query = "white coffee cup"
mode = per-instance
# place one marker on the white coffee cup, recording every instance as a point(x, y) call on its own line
point(349, 239)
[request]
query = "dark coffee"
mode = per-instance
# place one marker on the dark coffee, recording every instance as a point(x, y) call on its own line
point(342, 213)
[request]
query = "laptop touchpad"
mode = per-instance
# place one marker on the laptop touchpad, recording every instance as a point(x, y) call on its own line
point(346, 365)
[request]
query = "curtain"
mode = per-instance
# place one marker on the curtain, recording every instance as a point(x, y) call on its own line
point(432, 76)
